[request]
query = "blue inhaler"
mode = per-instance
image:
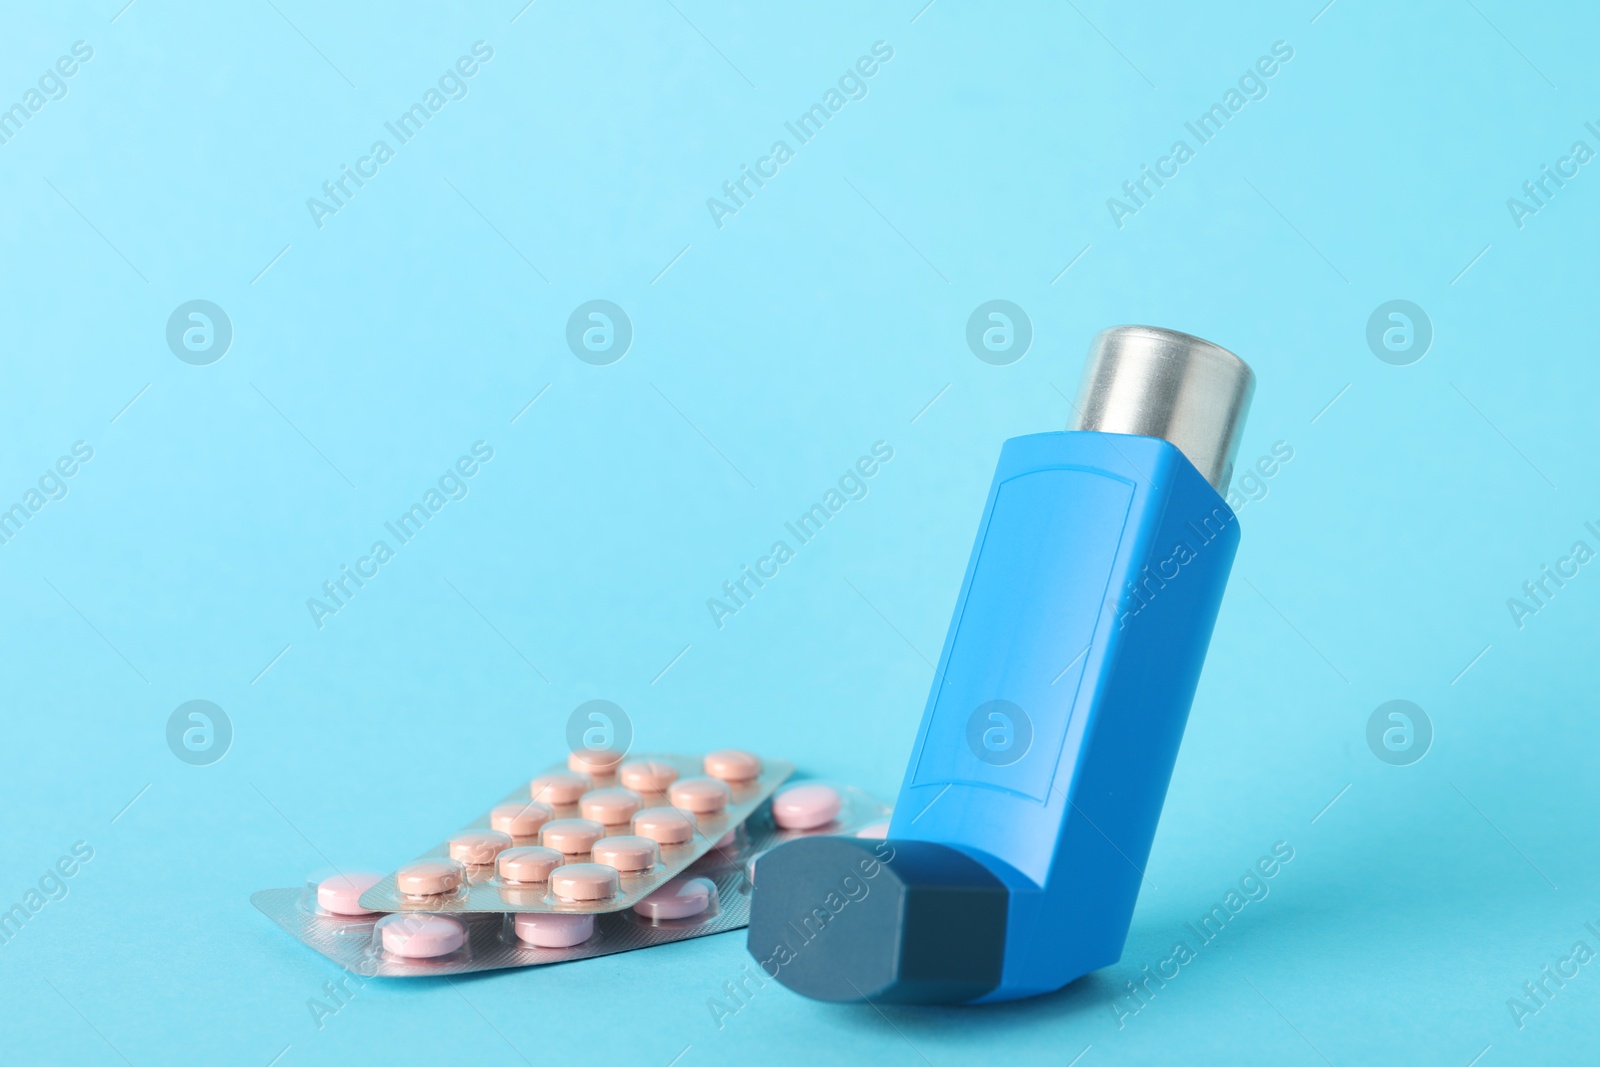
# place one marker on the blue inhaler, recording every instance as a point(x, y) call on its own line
point(1022, 829)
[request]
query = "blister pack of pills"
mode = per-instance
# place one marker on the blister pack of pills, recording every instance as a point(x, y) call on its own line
point(419, 944)
point(711, 896)
point(596, 837)
point(810, 808)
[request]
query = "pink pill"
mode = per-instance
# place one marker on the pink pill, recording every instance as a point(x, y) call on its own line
point(678, 899)
point(341, 894)
point(728, 838)
point(665, 826)
point(627, 853)
point(732, 765)
point(703, 796)
point(878, 830)
point(648, 775)
point(421, 936)
point(806, 807)
point(553, 931)
point(528, 863)
point(613, 807)
point(426, 878)
point(584, 882)
point(571, 837)
point(479, 847)
point(599, 762)
point(562, 787)
point(520, 818)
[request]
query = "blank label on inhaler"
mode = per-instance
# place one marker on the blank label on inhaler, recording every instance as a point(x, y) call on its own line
point(1037, 594)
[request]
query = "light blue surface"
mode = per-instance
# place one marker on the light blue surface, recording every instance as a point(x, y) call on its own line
point(768, 355)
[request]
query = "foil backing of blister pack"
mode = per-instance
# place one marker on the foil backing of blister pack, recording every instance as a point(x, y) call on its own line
point(483, 891)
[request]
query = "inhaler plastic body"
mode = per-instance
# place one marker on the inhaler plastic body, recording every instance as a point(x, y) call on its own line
point(1037, 776)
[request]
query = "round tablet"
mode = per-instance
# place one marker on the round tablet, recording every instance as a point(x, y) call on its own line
point(479, 847)
point(648, 775)
point(520, 818)
point(732, 765)
point(665, 826)
point(598, 762)
point(703, 796)
point(426, 878)
point(612, 807)
point(553, 931)
point(584, 881)
point(678, 899)
point(806, 807)
point(571, 837)
point(341, 894)
point(562, 787)
point(878, 830)
point(421, 936)
point(627, 853)
point(528, 863)
point(727, 839)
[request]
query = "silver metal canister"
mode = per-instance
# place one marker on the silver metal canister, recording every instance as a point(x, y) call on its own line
point(1161, 383)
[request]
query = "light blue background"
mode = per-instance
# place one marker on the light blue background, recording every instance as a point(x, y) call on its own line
point(775, 350)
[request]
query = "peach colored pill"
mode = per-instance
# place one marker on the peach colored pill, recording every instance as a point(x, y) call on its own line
point(627, 853)
point(665, 826)
point(553, 931)
point(562, 787)
point(703, 796)
point(648, 775)
point(678, 899)
point(878, 830)
point(732, 765)
point(728, 838)
point(806, 807)
point(584, 881)
point(421, 936)
point(598, 762)
point(520, 818)
point(341, 894)
point(612, 807)
point(425, 878)
point(528, 863)
point(479, 847)
point(571, 837)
